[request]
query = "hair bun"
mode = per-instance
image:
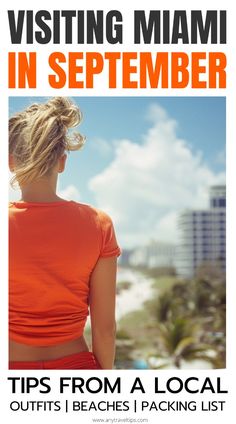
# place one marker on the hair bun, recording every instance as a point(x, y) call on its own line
point(65, 111)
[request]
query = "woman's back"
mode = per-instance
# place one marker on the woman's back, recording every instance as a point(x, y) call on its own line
point(53, 248)
point(62, 254)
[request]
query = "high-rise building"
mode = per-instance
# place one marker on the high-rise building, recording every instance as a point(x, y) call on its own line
point(203, 235)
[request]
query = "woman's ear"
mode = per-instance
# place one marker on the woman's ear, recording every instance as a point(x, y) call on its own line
point(11, 163)
point(62, 163)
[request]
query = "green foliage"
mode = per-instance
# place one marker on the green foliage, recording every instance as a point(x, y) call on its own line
point(163, 307)
point(191, 319)
point(122, 334)
point(156, 272)
point(179, 341)
point(184, 321)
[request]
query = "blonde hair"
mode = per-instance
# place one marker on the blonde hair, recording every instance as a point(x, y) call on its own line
point(38, 136)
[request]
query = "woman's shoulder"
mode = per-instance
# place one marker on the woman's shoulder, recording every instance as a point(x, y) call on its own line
point(93, 212)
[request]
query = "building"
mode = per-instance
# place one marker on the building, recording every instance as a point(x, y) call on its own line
point(123, 260)
point(155, 254)
point(203, 235)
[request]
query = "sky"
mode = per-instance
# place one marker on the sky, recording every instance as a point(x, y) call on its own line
point(145, 160)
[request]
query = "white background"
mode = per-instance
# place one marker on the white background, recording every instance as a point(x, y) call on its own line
point(227, 375)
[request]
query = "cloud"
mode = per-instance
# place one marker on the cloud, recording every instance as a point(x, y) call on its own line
point(147, 184)
point(220, 157)
point(69, 193)
point(101, 146)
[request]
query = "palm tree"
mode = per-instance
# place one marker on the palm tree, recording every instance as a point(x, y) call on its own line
point(164, 306)
point(179, 340)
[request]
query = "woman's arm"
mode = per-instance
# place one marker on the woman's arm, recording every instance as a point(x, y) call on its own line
point(102, 310)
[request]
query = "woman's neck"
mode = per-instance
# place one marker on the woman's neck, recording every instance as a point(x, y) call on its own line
point(40, 191)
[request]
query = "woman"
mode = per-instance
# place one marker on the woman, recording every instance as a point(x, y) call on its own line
point(62, 254)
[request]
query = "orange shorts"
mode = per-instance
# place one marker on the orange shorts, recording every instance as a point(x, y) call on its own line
point(77, 361)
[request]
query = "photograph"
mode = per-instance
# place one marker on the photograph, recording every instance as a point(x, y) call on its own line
point(117, 233)
point(118, 214)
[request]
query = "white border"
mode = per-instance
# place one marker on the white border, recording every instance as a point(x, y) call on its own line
point(227, 375)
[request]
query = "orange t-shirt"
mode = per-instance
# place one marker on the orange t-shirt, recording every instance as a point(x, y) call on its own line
point(53, 248)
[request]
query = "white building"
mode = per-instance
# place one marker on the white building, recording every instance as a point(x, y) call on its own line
point(155, 254)
point(203, 234)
